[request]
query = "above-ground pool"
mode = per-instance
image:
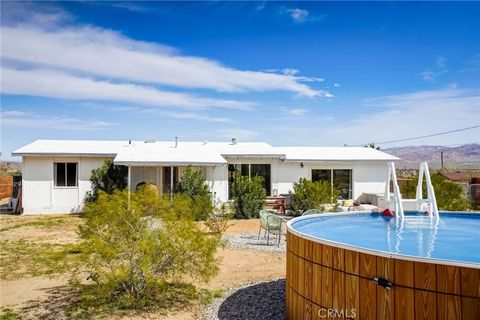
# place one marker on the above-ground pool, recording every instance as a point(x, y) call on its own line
point(366, 266)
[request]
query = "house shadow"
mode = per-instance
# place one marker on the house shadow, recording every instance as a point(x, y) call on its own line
point(265, 300)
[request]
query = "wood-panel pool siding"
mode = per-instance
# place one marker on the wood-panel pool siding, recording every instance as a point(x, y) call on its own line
point(323, 278)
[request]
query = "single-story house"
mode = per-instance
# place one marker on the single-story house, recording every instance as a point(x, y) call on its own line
point(56, 173)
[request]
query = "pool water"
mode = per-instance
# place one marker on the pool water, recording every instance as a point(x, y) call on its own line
point(456, 236)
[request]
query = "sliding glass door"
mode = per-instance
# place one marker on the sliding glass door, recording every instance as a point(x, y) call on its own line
point(250, 170)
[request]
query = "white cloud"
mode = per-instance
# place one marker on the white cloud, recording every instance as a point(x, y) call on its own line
point(52, 84)
point(431, 75)
point(13, 113)
point(298, 15)
point(295, 111)
point(440, 62)
point(336, 85)
point(413, 114)
point(131, 6)
point(187, 115)
point(109, 54)
point(388, 118)
point(14, 118)
point(290, 71)
point(261, 6)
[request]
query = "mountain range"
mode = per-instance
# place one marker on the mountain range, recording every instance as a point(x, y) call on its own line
point(460, 157)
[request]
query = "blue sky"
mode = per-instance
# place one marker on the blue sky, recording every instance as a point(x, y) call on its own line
point(288, 73)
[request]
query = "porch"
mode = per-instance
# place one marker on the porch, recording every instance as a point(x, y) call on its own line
point(165, 177)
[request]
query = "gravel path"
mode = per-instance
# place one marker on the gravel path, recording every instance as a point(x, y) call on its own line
point(264, 300)
point(250, 241)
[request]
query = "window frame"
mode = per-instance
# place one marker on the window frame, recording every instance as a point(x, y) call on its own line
point(65, 164)
point(332, 184)
point(238, 168)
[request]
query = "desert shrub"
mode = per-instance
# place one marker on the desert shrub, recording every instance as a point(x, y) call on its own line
point(449, 195)
point(217, 221)
point(107, 178)
point(133, 250)
point(248, 197)
point(312, 195)
point(192, 184)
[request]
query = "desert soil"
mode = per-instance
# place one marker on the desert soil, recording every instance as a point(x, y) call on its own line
point(43, 296)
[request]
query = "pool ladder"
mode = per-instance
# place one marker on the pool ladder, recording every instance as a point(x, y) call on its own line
point(419, 202)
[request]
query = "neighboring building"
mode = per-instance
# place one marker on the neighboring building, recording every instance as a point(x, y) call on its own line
point(470, 183)
point(56, 173)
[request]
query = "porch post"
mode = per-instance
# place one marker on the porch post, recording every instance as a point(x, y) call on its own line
point(171, 184)
point(129, 185)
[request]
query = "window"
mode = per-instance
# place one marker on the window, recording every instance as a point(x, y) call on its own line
point(249, 170)
point(65, 174)
point(322, 175)
point(340, 179)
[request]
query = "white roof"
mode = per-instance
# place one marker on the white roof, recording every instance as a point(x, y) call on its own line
point(165, 153)
point(335, 154)
point(70, 147)
point(187, 152)
point(195, 153)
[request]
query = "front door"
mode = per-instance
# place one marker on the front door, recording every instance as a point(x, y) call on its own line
point(168, 179)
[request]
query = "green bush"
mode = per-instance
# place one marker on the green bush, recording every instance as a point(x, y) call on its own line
point(449, 195)
point(312, 195)
point(248, 197)
point(133, 250)
point(192, 184)
point(107, 178)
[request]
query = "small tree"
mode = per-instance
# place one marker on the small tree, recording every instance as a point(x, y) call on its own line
point(449, 195)
point(312, 195)
point(248, 197)
point(107, 178)
point(193, 185)
point(132, 249)
point(372, 145)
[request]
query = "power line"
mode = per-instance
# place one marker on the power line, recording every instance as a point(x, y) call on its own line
point(419, 137)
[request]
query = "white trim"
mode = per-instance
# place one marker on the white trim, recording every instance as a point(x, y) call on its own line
point(168, 164)
point(71, 154)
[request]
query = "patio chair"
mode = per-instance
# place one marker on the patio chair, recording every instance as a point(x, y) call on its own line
point(272, 224)
point(263, 214)
point(311, 211)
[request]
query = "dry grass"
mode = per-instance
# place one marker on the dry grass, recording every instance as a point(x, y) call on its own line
point(35, 246)
point(34, 250)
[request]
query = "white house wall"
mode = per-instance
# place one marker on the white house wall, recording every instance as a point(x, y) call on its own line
point(367, 177)
point(219, 183)
point(39, 193)
point(145, 174)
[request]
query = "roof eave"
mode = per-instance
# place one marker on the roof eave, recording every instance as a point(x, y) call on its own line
point(61, 154)
point(338, 160)
point(167, 163)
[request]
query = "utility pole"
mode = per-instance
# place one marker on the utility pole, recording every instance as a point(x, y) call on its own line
point(441, 158)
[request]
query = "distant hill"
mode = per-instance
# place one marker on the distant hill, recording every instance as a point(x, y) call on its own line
point(462, 157)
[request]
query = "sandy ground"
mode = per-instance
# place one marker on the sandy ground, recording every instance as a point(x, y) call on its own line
point(29, 296)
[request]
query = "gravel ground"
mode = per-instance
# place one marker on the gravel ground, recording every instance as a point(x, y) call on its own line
point(250, 241)
point(264, 300)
